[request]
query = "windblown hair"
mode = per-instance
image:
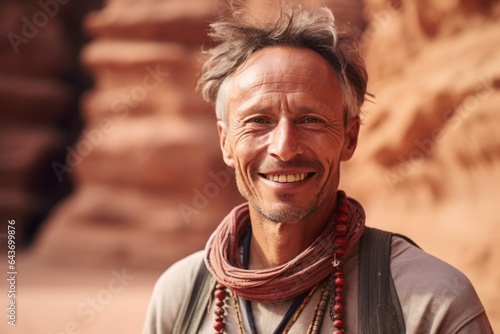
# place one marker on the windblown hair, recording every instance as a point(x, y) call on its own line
point(313, 29)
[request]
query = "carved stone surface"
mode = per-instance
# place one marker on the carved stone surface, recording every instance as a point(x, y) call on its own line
point(151, 184)
point(428, 155)
point(33, 102)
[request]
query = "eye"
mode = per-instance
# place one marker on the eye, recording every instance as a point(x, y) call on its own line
point(258, 120)
point(312, 120)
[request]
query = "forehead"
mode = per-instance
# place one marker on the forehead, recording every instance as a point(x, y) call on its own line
point(286, 69)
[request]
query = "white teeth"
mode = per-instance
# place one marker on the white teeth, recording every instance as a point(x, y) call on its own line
point(287, 178)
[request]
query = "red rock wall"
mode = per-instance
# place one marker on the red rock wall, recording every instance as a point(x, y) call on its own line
point(427, 163)
point(151, 184)
point(38, 87)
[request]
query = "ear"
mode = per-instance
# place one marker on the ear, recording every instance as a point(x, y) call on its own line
point(227, 153)
point(351, 139)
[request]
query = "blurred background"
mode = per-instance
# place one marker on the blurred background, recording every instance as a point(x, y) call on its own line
point(111, 169)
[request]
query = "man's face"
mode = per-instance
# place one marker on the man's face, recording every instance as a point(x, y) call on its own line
point(285, 134)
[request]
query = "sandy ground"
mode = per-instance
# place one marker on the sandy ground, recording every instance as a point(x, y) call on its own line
point(55, 299)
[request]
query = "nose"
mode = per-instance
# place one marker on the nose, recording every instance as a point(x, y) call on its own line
point(285, 141)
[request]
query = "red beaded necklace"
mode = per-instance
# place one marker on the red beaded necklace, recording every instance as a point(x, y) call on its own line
point(337, 310)
point(340, 243)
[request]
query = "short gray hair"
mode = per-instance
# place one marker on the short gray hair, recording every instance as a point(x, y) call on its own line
point(313, 29)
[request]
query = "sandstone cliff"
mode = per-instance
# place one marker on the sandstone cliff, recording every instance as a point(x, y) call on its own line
point(427, 163)
point(150, 181)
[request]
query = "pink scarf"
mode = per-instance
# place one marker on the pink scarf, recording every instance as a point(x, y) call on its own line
point(223, 258)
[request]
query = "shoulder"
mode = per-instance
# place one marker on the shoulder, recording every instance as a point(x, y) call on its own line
point(169, 292)
point(180, 274)
point(411, 261)
point(435, 296)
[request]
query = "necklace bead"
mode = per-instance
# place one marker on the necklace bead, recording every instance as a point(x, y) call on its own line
point(339, 281)
point(220, 294)
point(338, 323)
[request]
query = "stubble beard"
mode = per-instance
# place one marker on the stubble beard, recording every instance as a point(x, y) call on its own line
point(287, 214)
point(287, 211)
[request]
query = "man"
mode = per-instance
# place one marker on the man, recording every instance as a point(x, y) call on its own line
point(297, 257)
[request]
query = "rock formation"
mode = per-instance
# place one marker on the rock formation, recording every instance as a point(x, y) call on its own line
point(34, 103)
point(428, 155)
point(151, 184)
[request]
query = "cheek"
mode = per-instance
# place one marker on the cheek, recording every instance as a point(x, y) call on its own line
point(248, 158)
point(328, 146)
point(242, 156)
point(329, 155)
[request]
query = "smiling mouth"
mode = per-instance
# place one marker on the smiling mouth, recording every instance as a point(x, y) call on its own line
point(286, 178)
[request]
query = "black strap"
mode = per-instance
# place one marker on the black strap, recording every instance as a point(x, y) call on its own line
point(379, 309)
point(404, 237)
point(193, 309)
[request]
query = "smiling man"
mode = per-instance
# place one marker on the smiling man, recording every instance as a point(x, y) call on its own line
point(297, 257)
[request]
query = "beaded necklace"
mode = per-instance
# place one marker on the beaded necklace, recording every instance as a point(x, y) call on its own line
point(336, 282)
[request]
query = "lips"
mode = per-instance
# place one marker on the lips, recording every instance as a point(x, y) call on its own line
point(286, 178)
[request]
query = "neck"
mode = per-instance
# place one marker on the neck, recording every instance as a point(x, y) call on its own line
point(274, 243)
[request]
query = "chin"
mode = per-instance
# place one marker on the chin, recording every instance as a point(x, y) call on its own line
point(286, 213)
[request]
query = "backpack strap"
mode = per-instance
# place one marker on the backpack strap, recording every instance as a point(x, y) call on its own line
point(379, 310)
point(193, 309)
